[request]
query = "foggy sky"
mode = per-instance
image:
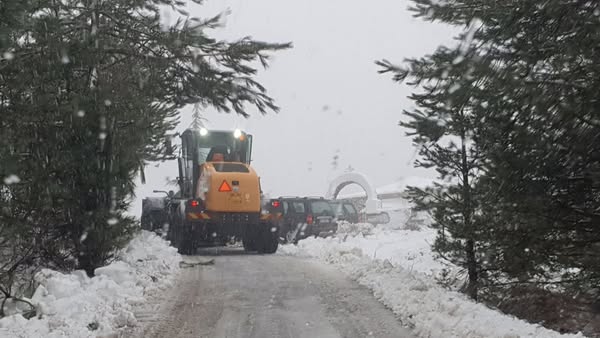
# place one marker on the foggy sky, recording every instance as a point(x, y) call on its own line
point(331, 96)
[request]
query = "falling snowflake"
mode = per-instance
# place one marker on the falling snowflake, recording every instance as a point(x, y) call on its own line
point(454, 88)
point(11, 179)
point(8, 56)
point(458, 60)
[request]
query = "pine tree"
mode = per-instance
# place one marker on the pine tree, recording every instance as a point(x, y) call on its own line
point(541, 134)
point(530, 74)
point(444, 128)
point(93, 88)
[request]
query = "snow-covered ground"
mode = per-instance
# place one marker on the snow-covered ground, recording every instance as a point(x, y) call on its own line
point(400, 269)
point(74, 305)
point(397, 265)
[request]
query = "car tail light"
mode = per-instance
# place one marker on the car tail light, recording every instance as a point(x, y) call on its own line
point(309, 219)
point(275, 204)
point(194, 203)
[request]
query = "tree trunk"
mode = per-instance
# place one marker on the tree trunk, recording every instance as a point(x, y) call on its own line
point(472, 286)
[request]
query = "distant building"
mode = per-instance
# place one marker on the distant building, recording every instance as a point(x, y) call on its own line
point(394, 191)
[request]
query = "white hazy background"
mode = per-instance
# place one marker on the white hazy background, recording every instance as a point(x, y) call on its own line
point(332, 100)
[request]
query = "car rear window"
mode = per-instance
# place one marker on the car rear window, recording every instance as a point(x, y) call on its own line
point(321, 208)
point(226, 167)
point(350, 209)
point(298, 207)
point(337, 208)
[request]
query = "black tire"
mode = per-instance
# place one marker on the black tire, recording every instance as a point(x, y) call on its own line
point(186, 247)
point(184, 243)
point(268, 241)
point(249, 244)
point(270, 246)
point(178, 238)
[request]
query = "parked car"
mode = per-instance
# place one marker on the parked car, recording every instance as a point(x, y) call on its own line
point(156, 211)
point(345, 211)
point(302, 217)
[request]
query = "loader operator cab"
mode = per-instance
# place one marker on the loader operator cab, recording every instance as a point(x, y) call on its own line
point(217, 154)
point(216, 157)
point(201, 146)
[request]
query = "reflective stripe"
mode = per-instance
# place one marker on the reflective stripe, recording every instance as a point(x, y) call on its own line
point(200, 215)
point(276, 216)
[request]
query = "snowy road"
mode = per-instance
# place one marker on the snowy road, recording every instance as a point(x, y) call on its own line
point(244, 295)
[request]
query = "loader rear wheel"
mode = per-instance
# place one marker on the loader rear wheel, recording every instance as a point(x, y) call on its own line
point(249, 244)
point(268, 241)
point(185, 247)
point(270, 245)
point(185, 242)
point(180, 237)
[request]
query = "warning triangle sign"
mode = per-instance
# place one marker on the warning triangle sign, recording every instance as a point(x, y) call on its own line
point(224, 187)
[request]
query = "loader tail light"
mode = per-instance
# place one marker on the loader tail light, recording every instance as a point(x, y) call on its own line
point(309, 219)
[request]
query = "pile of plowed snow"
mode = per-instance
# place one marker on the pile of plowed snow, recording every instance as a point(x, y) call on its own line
point(74, 305)
point(400, 269)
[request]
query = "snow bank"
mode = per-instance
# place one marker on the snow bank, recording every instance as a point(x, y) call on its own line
point(74, 305)
point(400, 269)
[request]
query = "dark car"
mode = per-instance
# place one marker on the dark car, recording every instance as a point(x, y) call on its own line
point(344, 211)
point(156, 211)
point(302, 217)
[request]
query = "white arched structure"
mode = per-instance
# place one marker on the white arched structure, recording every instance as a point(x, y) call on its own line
point(373, 204)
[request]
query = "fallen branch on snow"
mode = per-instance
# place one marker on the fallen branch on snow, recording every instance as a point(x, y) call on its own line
point(184, 264)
